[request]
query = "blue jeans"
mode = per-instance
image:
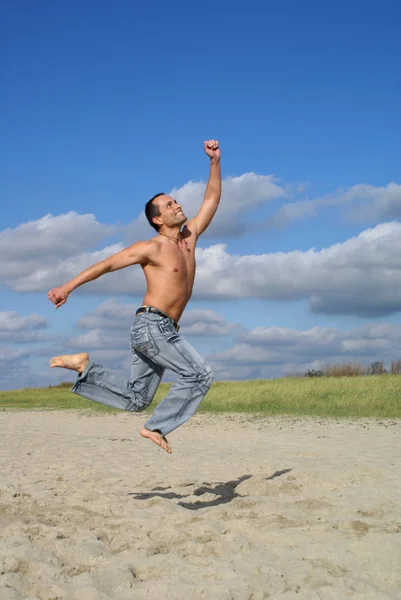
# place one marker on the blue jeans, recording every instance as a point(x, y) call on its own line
point(156, 346)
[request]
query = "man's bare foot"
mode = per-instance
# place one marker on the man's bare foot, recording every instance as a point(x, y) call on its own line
point(75, 362)
point(157, 438)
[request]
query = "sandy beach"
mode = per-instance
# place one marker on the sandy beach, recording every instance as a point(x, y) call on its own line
point(244, 509)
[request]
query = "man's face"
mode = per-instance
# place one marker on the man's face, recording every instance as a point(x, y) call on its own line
point(170, 212)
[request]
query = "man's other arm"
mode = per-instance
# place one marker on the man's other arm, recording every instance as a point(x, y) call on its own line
point(138, 253)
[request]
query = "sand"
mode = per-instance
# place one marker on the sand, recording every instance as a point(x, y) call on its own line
point(244, 509)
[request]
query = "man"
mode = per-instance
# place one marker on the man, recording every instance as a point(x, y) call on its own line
point(168, 262)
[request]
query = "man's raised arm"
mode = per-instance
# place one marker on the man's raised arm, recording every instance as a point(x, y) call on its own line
point(136, 254)
point(213, 188)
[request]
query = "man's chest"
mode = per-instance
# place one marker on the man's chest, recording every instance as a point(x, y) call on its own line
point(179, 259)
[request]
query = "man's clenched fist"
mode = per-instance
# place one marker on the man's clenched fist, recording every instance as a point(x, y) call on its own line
point(58, 296)
point(212, 149)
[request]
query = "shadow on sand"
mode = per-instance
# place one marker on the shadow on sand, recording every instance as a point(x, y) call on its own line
point(224, 492)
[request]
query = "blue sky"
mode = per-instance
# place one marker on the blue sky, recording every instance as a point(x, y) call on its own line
point(102, 106)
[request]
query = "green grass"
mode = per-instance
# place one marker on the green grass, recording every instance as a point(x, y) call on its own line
point(371, 396)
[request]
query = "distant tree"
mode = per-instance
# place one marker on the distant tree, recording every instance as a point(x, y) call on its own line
point(377, 368)
point(314, 373)
point(396, 367)
point(345, 370)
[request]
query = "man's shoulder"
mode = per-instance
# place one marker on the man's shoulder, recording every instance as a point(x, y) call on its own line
point(153, 243)
point(143, 249)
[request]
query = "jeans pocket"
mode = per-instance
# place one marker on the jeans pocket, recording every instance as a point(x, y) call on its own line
point(167, 328)
point(142, 340)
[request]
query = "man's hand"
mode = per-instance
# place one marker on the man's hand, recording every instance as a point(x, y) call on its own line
point(58, 296)
point(213, 190)
point(212, 149)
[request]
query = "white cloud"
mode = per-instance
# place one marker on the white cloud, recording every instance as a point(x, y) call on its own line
point(360, 276)
point(240, 195)
point(50, 249)
point(227, 372)
point(18, 372)
point(107, 336)
point(9, 356)
point(280, 337)
point(98, 338)
point(366, 203)
point(382, 338)
point(18, 329)
point(108, 328)
point(376, 203)
point(43, 276)
point(109, 325)
point(111, 314)
point(294, 211)
point(113, 356)
point(262, 352)
point(274, 351)
point(13, 368)
point(202, 322)
point(58, 236)
point(246, 354)
point(321, 341)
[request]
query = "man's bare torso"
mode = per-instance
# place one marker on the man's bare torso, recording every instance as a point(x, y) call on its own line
point(170, 273)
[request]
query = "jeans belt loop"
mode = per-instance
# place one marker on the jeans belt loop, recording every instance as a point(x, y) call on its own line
point(150, 309)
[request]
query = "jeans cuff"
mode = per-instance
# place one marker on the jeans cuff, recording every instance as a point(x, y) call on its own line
point(82, 376)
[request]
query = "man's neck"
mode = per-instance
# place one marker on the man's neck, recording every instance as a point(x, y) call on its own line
point(173, 233)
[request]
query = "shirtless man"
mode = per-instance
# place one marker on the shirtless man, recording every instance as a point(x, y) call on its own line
point(168, 262)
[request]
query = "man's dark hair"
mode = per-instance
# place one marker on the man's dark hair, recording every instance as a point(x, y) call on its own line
point(152, 210)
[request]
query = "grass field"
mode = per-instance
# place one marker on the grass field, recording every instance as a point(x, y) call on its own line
point(370, 396)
